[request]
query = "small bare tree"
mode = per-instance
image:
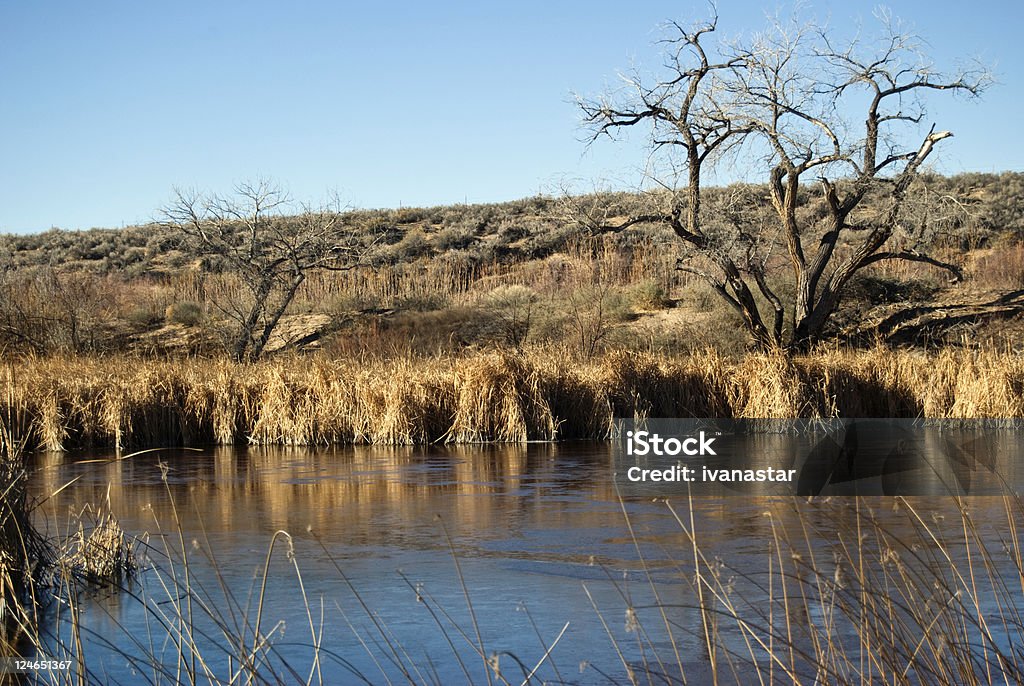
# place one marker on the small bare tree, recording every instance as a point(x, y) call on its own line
point(254, 235)
point(512, 308)
point(51, 310)
point(793, 101)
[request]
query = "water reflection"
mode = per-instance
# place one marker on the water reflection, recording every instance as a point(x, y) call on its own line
point(352, 496)
point(530, 524)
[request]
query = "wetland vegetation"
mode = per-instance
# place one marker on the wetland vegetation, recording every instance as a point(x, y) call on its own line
point(534, 394)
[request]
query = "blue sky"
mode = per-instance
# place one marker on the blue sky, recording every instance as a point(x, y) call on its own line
point(105, 107)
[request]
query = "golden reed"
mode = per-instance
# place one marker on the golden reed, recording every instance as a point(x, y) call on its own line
point(540, 394)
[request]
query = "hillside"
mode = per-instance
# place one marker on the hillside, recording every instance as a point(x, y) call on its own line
point(502, 274)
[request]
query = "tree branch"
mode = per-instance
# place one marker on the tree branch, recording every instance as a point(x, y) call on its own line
point(915, 256)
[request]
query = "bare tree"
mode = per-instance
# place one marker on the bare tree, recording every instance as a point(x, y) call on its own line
point(804, 107)
point(512, 308)
point(252, 235)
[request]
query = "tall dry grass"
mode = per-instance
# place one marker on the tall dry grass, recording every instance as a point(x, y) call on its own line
point(453, 280)
point(848, 591)
point(35, 570)
point(24, 554)
point(537, 394)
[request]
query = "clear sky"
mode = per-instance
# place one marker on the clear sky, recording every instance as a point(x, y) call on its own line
point(105, 107)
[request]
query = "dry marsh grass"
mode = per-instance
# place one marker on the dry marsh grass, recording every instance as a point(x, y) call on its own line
point(537, 394)
point(34, 570)
point(848, 591)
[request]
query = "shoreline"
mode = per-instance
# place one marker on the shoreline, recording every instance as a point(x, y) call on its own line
point(72, 403)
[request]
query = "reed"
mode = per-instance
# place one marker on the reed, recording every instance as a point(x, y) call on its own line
point(33, 568)
point(940, 604)
point(500, 397)
point(24, 554)
point(491, 395)
point(102, 554)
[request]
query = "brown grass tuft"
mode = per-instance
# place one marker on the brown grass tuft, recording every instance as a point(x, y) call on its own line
point(103, 555)
point(499, 398)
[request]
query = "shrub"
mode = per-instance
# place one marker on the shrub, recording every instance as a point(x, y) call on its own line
point(184, 313)
point(699, 296)
point(454, 238)
point(143, 315)
point(414, 245)
point(512, 308)
point(422, 302)
point(649, 295)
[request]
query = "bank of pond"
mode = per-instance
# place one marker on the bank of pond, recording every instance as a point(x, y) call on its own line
point(486, 396)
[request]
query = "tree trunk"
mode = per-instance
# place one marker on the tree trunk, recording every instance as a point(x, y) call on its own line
point(268, 328)
point(242, 348)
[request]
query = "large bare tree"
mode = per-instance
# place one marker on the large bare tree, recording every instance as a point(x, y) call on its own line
point(838, 121)
point(269, 244)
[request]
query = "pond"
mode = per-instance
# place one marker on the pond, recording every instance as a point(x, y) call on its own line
point(508, 563)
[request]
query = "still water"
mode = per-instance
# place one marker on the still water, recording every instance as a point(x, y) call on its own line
point(406, 560)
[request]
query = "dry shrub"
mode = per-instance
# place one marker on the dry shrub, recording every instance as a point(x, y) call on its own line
point(185, 313)
point(499, 398)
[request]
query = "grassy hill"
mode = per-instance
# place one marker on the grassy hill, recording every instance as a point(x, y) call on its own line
point(509, 274)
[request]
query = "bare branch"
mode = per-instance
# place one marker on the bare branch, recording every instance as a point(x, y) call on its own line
point(956, 272)
point(270, 252)
point(787, 99)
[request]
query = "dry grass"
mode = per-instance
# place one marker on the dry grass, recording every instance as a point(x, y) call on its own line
point(102, 555)
point(846, 594)
point(33, 570)
point(23, 553)
point(1001, 267)
point(539, 394)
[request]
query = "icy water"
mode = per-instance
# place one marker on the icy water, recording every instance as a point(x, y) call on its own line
point(410, 562)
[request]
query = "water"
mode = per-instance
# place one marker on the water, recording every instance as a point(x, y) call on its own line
point(386, 543)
